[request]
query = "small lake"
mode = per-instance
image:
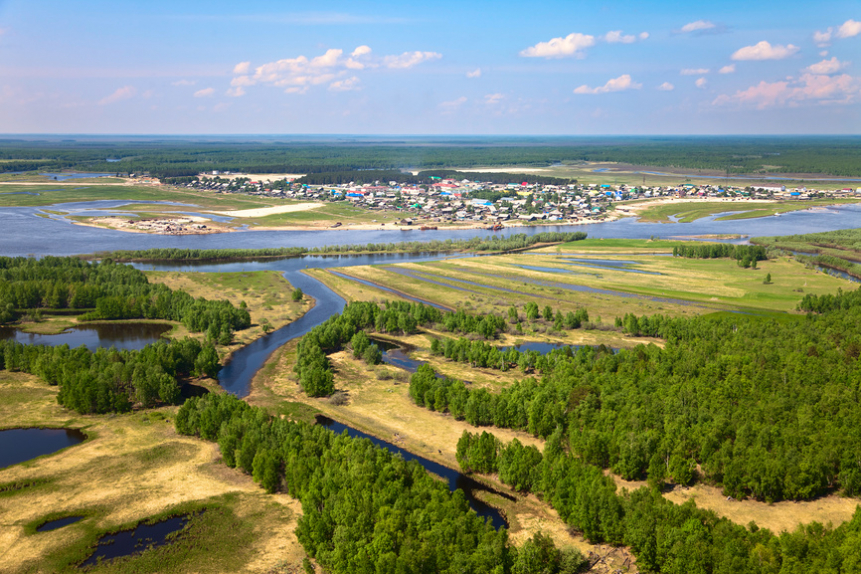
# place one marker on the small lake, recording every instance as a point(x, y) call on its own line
point(65, 176)
point(136, 540)
point(18, 445)
point(455, 479)
point(124, 336)
point(59, 523)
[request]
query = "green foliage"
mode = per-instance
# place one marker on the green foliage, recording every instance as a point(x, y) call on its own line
point(297, 295)
point(363, 508)
point(108, 380)
point(495, 243)
point(767, 409)
point(478, 453)
point(831, 155)
point(108, 291)
point(742, 253)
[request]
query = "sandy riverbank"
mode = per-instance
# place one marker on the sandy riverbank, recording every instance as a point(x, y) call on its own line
point(264, 211)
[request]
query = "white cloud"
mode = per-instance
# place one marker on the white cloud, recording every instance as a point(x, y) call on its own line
point(826, 66)
point(119, 95)
point(822, 39)
point(361, 51)
point(644, 35)
point(694, 71)
point(728, 69)
point(357, 60)
point(619, 84)
point(701, 82)
point(616, 37)
point(570, 45)
point(451, 106)
point(476, 73)
point(183, 83)
point(491, 99)
point(698, 25)
point(204, 93)
point(409, 59)
point(849, 29)
point(296, 75)
point(823, 53)
point(765, 51)
point(810, 88)
point(346, 85)
point(666, 87)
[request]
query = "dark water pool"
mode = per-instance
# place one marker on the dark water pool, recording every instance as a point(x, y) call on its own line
point(59, 523)
point(455, 479)
point(18, 445)
point(128, 336)
point(136, 540)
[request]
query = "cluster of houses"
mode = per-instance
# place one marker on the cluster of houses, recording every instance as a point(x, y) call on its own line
point(452, 201)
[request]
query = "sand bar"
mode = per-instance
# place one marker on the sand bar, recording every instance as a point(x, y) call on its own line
point(264, 211)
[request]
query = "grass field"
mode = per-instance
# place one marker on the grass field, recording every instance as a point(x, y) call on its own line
point(134, 468)
point(686, 212)
point(267, 294)
point(675, 286)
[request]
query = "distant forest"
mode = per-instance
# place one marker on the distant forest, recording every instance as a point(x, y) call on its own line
point(171, 157)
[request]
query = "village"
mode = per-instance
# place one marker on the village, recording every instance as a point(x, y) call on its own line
point(450, 201)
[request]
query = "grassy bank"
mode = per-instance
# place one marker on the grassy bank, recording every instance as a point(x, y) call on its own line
point(686, 212)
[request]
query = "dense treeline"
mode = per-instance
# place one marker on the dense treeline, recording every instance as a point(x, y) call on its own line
point(695, 250)
point(363, 509)
point(173, 158)
point(494, 177)
point(764, 408)
point(107, 290)
point(664, 537)
point(492, 243)
point(360, 177)
point(108, 380)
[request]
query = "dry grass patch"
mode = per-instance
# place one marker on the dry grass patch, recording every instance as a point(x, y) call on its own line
point(132, 467)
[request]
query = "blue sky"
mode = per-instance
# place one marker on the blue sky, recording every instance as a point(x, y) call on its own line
point(443, 67)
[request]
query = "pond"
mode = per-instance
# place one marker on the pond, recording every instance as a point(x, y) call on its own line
point(123, 336)
point(455, 479)
point(18, 445)
point(58, 523)
point(136, 540)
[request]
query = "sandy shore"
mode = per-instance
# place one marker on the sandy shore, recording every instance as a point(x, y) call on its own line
point(264, 211)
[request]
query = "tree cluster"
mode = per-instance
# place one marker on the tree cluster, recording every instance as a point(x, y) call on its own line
point(663, 536)
point(746, 255)
point(106, 290)
point(765, 408)
point(363, 509)
point(108, 380)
